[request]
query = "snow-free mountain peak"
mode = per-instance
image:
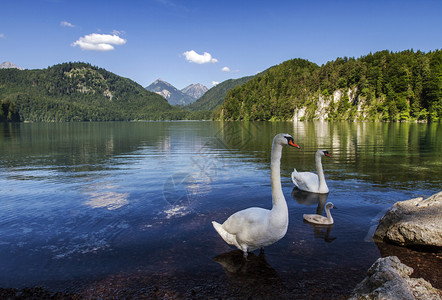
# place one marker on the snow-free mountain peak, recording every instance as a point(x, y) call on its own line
point(195, 91)
point(9, 65)
point(175, 96)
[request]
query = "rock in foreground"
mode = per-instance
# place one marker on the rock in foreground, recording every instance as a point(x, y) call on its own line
point(389, 279)
point(414, 223)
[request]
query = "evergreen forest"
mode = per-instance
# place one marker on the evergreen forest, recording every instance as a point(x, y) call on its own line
point(77, 92)
point(381, 86)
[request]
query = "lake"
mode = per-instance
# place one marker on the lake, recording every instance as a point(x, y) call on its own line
point(118, 207)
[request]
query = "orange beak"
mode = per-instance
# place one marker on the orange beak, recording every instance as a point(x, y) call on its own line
point(291, 143)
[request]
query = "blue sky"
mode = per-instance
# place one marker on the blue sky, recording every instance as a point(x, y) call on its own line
point(194, 41)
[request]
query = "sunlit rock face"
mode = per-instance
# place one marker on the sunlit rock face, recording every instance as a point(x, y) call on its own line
point(388, 278)
point(9, 65)
point(325, 106)
point(414, 223)
point(195, 91)
point(173, 95)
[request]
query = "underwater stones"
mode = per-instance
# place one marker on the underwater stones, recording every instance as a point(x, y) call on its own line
point(388, 278)
point(413, 223)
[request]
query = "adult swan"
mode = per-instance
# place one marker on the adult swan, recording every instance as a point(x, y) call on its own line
point(256, 227)
point(311, 182)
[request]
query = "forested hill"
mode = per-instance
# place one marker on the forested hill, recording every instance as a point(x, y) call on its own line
point(76, 92)
point(215, 96)
point(380, 86)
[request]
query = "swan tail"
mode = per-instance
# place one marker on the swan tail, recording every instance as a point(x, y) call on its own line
point(227, 237)
point(293, 176)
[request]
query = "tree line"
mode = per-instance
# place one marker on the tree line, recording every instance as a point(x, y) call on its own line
point(389, 86)
point(393, 86)
point(78, 92)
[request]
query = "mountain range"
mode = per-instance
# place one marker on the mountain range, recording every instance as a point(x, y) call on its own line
point(175, 96)
point(215, 96)
point(195, 91)
point(381, 86)
point(78, 92)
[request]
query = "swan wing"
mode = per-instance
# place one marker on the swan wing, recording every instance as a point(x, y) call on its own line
point(316, 219)
point(251, 229)
point(246, 219)
point(306, 181)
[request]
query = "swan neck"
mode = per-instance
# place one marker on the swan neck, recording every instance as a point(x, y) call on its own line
point(320, 170)
point(275, 176)
point(329, 216)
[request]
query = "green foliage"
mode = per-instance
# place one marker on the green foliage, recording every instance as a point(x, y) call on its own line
point(387, 86)
point(79, 92)
point(274, 93)
point(390, 86)
point(8, 112)
point(215, 96)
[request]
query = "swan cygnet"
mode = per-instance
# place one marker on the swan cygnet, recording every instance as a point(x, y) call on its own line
point(311, 182)
point(255, 227)
point(321, 220)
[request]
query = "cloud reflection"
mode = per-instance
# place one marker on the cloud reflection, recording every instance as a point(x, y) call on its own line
point(107, 199)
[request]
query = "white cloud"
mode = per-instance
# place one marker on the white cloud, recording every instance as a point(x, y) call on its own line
point(227, 69)
point(66, 24)
point(194, 57)
point(118, 32)
point(215, 83)
point(2, 36)
point(99, 42)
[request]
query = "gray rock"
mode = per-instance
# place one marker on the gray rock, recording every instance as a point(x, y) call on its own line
point(171, 93)
point(388, 278)
point(195, 91)
point(414, 222)
point(9, 65)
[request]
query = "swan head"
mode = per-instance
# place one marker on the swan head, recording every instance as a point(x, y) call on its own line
point(285, 139)
point(323, 152)
point(330, 205)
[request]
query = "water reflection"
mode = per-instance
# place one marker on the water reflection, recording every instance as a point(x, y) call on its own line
point(252, 272)
point(103, 196)
point(308, 199)
point(107, 199)
point(83, 199)
point(322, 232)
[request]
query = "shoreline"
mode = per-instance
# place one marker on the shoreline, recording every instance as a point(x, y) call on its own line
point(147, 284)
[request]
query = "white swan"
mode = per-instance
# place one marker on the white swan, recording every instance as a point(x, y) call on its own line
point(318, 219)
point(256, 227)
point(311, 182)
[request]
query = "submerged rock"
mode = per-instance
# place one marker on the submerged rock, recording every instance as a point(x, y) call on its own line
point(414, 223)
point(388, 278)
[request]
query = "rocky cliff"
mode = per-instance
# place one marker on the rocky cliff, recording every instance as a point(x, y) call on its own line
point(343, 102)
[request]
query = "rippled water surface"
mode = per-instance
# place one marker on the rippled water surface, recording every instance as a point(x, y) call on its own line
point(130, 204)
